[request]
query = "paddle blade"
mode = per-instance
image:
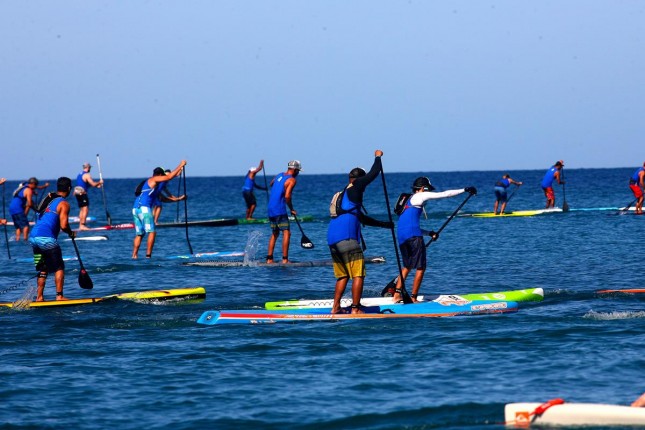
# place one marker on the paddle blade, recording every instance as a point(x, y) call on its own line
point(565, 206)
point(84, 280)
point(388, 291)
point(306, 243)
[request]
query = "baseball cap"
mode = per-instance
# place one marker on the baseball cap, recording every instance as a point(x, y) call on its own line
point(294, 164)
point(32, 180)
point(86, 164)
point(158, 171)
point(357, 172)
point(423, 183)
point(559, 163)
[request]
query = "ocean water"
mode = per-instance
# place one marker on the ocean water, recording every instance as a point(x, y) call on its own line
point(131, 366)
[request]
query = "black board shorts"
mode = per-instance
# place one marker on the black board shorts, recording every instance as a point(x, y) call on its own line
point(413, 253)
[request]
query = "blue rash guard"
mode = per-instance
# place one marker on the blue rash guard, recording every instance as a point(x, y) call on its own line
point(277, 201)
point(160, 188)
point(147, 197)
point(249, 183)
point(635, 177)
point(18, 203)
point(47, 224)
point(80, 182)
point(409, 225)
point(549, 177)
point(504, 183)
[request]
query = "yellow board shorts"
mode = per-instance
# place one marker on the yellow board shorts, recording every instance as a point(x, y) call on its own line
point(348, 259)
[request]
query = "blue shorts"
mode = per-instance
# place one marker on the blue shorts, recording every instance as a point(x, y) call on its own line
point(500, 194)
point(249, 198)
point(20, 220)
point(413, 253)
point(143, 220)
point(279, 223)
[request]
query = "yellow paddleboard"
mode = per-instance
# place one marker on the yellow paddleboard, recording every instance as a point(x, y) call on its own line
point(517, 213)
point(149, 296)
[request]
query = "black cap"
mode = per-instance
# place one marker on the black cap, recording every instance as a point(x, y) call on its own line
point(159, 171)
point(357, 172)
point(63, 184)
point(422, 182)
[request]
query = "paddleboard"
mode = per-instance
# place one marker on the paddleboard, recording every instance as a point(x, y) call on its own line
point(530, 295)
point(74, 219)
point(573, 414)
point(516, 213)
point(216, 254)
point(417, 310)
point(88, 238)
point(301, 218)
point(124, 226)
point(149, 296)
point(312, 263)
point(220, 222)
point(626, 291)
point(31, 259)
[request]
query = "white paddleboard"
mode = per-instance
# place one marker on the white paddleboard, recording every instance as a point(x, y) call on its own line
point(573, 414)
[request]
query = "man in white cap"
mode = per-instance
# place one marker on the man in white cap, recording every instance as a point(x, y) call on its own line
point(247, 189)
point(281, 188)
point(83, 182)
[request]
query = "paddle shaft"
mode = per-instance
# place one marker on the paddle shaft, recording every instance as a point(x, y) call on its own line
point(190, 247)
point(304, 241)
point(84, 280)
point(404, 292)
point(107, 213)
point(565, 205)
point(454, 214)
point(4, 215)
point(517, 187)
point(266, 187)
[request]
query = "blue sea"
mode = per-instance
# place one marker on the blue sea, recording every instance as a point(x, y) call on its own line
point(129, 365)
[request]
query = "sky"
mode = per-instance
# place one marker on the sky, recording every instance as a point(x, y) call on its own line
point(437, 85)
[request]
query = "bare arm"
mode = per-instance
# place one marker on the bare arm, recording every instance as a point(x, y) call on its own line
point(288, 189)
point(88, 178)
point(63, 215)
point(29, 196)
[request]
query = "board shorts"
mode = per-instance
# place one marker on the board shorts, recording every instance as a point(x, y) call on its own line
point(83, 200)
point(548, 192)
point(249, 198)
point(638, 192)
point(48, 256)
point(413, 253)
point(279, 223)
point(500, 194)
point(143, 220)
point(20, 220)
point(348, 259)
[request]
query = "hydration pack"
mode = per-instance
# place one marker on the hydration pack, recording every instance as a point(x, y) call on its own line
point(399, 207)
point(20, 187)
point(44, 203)
point(335, 206)
point(137, 191)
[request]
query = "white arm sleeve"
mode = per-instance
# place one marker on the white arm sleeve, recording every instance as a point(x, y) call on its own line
point(418, 199)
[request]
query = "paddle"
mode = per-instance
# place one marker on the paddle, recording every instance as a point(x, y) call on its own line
point(4, 215)
point(404, 293)
point(84, 280)
point(177, 206)
point(266, 190)
point(183, 173)
point(565, 205)
point(107, 213)
point(517, 187)
point(304, 241)
point(626, 208)
point(392, 283)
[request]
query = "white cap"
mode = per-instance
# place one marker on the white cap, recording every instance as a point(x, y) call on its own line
point(294, 164)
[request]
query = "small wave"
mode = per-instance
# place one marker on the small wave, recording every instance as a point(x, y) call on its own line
point(616, 315)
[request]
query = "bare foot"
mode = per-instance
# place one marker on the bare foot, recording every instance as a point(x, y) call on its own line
point(59, 298)
point(83, 227)
point(40, 299)
point(640, 402)
point(285, 261)
point(270, 261)
point(357, 311)
point(396, 298)
point(338, 310)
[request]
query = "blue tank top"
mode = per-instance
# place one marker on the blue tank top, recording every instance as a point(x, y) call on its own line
point(160, 188)
point(277, 202)
point(634, 179)
point(408, 225)
point(48, 224)
point(148, 195)
point(249, 183)
point(345, 226)
point(18, 203)
point(504, 183)
point(80, 182)
point(547, 181)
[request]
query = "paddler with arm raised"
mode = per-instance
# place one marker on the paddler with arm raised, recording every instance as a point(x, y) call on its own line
point(281, 192)
point(142, 210)
point(501, 192)
point(247, 189)
point(344, 236)
point(637, 185)
point(53, 216)
point(83, 182)
point(410, 234)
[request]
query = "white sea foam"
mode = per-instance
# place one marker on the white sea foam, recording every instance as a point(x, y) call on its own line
point(616, 315)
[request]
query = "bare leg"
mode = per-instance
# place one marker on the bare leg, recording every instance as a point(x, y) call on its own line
point(156, 212)
point(357, 293)
point(59, 278)
point(150, 243)
point(137, 244)
point(341, 283)
point(17, 235)
point(503, 208)
point(82, 216)
point(416, 284)
point(272, 239)
point(396, 297)
point(25, 233)
point(41, 289)
point(495, 208)
point(286, 238)
point(249, 211)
